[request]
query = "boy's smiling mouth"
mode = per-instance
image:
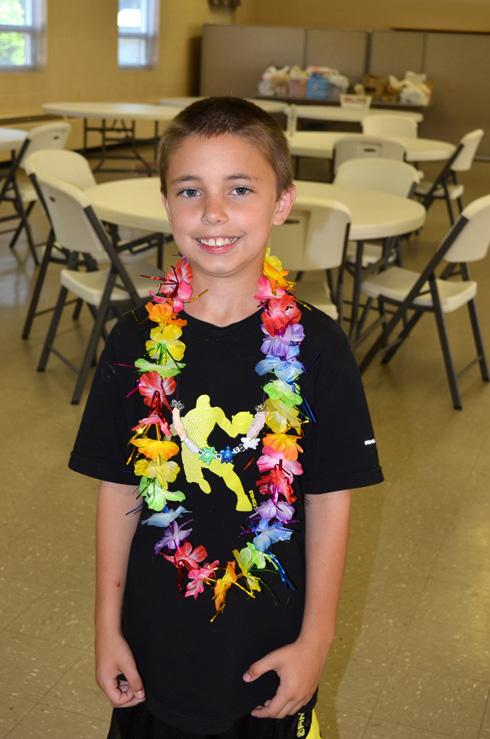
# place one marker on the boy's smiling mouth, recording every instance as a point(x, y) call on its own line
point(219, 241)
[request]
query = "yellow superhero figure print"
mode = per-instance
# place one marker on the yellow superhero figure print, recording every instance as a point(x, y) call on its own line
point(199, 423)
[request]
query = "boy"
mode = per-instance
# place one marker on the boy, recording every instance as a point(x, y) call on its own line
point(218, 580)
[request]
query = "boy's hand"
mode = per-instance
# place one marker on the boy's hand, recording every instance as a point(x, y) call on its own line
point(116, 672)
point(299, 669)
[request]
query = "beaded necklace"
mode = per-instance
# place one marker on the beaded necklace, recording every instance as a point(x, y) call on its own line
point(278, 463)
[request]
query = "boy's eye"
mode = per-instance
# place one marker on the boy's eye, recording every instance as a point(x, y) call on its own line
point(189, 192)
point(240, 190)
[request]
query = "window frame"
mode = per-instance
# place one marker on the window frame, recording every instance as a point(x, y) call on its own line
point(34, 33)
point(150, 37)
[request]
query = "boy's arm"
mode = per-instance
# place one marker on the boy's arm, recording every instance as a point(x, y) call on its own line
point(114, 533)
point(299, 665)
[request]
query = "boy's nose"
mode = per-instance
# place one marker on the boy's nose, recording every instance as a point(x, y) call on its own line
point(214, 210)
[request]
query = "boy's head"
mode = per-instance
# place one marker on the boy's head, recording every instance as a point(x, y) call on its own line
point(216, 116)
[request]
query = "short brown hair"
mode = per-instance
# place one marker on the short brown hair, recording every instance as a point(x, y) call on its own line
point(215, 116)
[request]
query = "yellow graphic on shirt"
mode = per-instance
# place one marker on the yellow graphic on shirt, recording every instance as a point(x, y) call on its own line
point(199, 423)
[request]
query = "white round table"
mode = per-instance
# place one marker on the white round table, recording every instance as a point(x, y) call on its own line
point(11, 138)
point(320, 144)
point(122, 127)
point(271, 106)
point(348, 114)
point(137, 203)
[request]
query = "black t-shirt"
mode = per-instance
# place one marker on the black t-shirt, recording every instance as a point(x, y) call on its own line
point(192, 666)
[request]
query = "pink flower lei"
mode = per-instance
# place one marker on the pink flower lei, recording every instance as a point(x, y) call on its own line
point(278, 463)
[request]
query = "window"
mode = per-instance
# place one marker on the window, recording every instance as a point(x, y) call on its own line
point(137, 25)
point(20, 34)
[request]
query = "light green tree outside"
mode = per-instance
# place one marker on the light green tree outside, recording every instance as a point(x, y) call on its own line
point(12, 45)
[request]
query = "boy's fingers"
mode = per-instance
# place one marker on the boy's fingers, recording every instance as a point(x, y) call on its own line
point(259, 668)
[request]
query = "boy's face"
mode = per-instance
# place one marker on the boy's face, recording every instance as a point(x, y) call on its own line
point(222, 203)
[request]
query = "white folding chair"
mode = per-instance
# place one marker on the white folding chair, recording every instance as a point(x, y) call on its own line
point(74, 169)
point(447, 186)
point(118, 287)
point(384, 175)
point(21, 194)
point(355, 147)
point(389, 125)
point(467, 241)
point(315, 238)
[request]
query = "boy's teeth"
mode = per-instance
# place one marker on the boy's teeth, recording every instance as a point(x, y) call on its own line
point(217, 242)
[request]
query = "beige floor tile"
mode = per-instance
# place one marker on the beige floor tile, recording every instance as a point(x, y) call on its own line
point(30, 667)
point(383, 730)
point(62, 617)
point(446, 649)
point(357, 686)
point(485, 727)
point(15, 597)
point(432, 702)
point(342, 724)
point(12, 710)
point(447, 602)
point(44, 721)
point(78, 692)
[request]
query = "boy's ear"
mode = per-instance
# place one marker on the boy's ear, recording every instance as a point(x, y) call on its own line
point(284, 205)
point(165, 204)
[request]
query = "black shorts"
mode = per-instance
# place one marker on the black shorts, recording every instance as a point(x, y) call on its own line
point(138, 723)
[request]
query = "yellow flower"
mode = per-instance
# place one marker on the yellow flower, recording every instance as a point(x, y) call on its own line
point(274, 272)
point(163, 472)
point(252, 581)
point(281, 417)
point(285, 443)
point(164, 343)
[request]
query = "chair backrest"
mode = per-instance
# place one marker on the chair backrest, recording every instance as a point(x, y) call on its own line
point(313, 238)
point(389, 125)
point(64, 164)
point(468, 146)
point(384, 175)
point(48, 136)
point(353, 147)
point(67, 207)
point(472, 231)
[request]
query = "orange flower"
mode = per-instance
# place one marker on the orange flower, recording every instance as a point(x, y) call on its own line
point(285, 443)
point(163, 313)
point(223, 584)
point(153, 448)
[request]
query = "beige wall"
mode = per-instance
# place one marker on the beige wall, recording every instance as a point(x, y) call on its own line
point(82, 56)
point(458, 15)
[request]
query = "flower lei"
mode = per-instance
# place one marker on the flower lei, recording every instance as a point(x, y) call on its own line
point(153, 445)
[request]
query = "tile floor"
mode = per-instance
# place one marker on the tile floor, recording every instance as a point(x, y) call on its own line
point(411, 658)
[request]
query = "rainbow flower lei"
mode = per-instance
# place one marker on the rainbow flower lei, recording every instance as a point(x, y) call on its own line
point(278, 462)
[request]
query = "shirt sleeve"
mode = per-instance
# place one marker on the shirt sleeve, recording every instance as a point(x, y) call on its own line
point(101, 447)
point(339, 445)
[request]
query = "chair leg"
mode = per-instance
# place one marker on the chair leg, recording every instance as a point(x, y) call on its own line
point(31, 313)
point(407, 328)
point(446, 352)
point(356, 292)
point(89, 355)
point(475, 325)
point(53, 327)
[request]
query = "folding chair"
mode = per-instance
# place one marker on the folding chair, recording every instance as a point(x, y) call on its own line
point(389, 125)
point(19, 192)
point(315, 238)
point(446, 186)
point(106, 291)
point(385, 175)
point(354, 147)
point(74, 169)
point(467, 241)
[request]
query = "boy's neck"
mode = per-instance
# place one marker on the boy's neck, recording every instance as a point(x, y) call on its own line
point(224, 302)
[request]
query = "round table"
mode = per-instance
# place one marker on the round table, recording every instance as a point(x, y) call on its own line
point(320, 145)
point(347, 114)
point(119, 131)
point(271, 106)
point(11, 138)
point(137, 203)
